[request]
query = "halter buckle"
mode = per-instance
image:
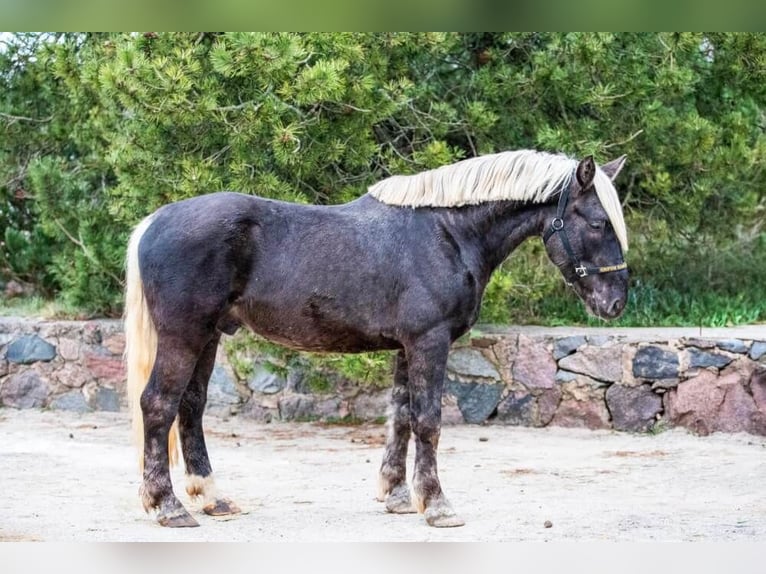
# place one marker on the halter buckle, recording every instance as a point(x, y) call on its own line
point(557, 224)
point(581, 271)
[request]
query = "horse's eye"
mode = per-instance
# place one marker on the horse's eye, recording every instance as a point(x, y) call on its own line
point(597, 224)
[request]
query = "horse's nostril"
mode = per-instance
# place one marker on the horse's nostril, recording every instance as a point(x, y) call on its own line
point(618, 303)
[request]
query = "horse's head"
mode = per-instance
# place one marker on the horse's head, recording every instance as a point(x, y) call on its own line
point(586, 239)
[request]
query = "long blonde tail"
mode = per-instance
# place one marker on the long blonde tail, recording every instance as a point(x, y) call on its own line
point(140, 345)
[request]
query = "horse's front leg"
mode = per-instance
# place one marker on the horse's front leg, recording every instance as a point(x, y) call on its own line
point(199, 474)
point(427, 358)
point(393, 487)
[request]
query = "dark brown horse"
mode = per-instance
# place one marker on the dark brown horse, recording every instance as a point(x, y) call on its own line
point(404, 268)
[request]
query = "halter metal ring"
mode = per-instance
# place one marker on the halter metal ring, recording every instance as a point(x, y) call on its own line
point(557, 224)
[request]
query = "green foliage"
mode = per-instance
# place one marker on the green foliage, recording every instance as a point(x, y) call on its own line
point(322, 371)
point(98, 130)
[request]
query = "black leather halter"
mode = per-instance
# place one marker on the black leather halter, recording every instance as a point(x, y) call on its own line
point(557, 226)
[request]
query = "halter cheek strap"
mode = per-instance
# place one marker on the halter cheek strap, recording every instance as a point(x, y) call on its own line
point(557, 227)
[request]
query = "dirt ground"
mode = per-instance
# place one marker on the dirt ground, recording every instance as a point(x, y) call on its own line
point(68, 477)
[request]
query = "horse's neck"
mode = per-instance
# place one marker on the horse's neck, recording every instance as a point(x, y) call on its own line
point(497, 228)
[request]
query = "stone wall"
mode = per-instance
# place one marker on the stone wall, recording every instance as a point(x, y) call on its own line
point(626, 379)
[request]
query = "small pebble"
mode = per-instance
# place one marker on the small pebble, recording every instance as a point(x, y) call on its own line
point(548, 524)
point(71, 435)
point(483, 438)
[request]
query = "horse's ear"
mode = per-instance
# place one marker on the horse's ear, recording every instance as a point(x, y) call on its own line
point(612, 169)
point(586, 171)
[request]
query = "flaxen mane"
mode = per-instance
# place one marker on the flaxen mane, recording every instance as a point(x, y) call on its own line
point(524, 175)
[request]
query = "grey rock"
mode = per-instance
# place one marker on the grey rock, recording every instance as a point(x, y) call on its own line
point(105, 399)
point(476, 401)
point(222, 389)
point(601, 363)
point(24, 390)
point(565, 376)
point(517, 409)
point(758, 350)
point(732, 345)
point(599, 340)
point(266, 381)
point(633, 408)
point(471, 363)
point(703, 359)
point(71, 401)
point(30, 349)
point(292, 407)
point(370, 406)
point(655, 363)
point(567, 346)
point(257, 412)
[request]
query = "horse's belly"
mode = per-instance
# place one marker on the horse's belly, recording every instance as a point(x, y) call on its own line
point(304, 332)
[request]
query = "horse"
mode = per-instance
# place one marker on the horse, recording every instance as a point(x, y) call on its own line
point(401, 268)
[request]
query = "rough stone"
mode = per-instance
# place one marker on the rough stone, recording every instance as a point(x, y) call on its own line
point(71, 401)
point(565, 376)
point(476, 400)
point(72, 375)
point(91, 333)
point(547, 403)
point(115, 343)
point(598, 340)
point(517, 409)
point(104, 366)
point(694, 403)
point(758, 389)
point(222, 391)
point(704, 359)
point(666, 384)
point(653, 362)
point(602, 363)
point(738, 412)
point(296, 406)
point(24, 390)
point(257, 412)
point(590, 414)
point(69, 349)
point(534, 366)
point(471, 363)
point(266, 381)
point(30, 349)
point(633, 408)
point(699, 343)
point(105, 399)
point(370, 406)
point(732, 346)
point(567, 345)
point(306, 407)
point(758, 350)
point(451, 414)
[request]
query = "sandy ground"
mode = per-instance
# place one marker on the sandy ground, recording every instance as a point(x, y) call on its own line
point(67, 477)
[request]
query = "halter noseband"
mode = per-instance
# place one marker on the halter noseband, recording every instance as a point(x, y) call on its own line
point(557, 226)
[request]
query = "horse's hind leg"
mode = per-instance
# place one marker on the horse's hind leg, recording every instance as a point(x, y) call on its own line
point(427, 358)
point(173, 368)
point(199, 474)
point(393, 487)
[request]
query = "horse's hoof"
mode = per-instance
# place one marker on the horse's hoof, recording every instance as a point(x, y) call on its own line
point(439, 514)
point(179, 519)
point(221, 507)
point(399, 501)
point(444, 521)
